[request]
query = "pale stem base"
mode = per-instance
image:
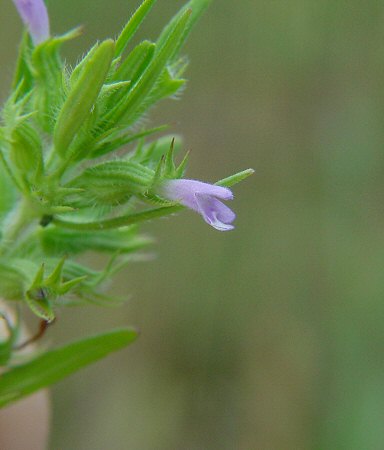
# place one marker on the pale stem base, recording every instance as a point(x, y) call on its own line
point(24, 424)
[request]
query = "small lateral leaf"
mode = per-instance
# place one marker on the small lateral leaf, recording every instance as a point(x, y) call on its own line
point(39, 276)
point(134, 64)
point(110, 88)
point(68, 285)
point(55, 278)
point(113, 143)
point(57, 364)
point(182, 166)
point(133, 24)
point(131, 70)
point(38, 302)
point(135, 100)
point(169, 163)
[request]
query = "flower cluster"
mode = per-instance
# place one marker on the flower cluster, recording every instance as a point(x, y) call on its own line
point(69, 191)
point(79, 172)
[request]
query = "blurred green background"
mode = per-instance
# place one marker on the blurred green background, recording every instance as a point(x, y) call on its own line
point(270, 337)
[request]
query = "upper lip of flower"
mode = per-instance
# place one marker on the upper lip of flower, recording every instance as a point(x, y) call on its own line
point(204, 199)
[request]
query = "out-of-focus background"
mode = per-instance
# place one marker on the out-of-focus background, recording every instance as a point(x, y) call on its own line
point(270, 337)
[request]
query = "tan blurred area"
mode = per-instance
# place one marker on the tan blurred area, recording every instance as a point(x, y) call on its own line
point(269, 337)
point(24, 424)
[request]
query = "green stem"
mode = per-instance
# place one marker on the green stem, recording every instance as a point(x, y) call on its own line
point(121, 221)
point(17, 221)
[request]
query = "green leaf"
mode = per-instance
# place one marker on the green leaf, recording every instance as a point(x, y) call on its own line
point(111, 88)
point(180, 171)
point(167, 86)
point(236, 178)
point(74, 269)
point(130, 67)
point(130, 70)
point(197, 7)
point(57, 364)
point(120, 138)
point(134, 105)
point(132, 26)
point(23, 79)
point(82, 97)
point(26, 149)
point(56, 241)
point(38, 301)
point(112, 182)
point(76, 72)
point(151, 153)
point(47, 69)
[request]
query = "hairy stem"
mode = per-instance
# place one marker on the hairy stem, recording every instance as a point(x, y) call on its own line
point(121, 221)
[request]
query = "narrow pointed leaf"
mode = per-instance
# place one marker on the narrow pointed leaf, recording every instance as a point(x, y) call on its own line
point(236, 178)
point(169, 162)
point(55, 278)
point(57, 364)
point(138, 59)
point(132, 26)
point(80, 66)
point(82, 97)
point(197, 7)
point(39, 277)
point(114, 143)
point(68, 285)
point(47, 68)
point(182, 167)
point(133, 105)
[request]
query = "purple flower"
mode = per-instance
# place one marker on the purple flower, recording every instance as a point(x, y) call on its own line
point(202, 198)
point(35, 16)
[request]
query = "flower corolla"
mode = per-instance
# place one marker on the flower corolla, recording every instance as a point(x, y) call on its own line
point(35, 17)
point(202, 198)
